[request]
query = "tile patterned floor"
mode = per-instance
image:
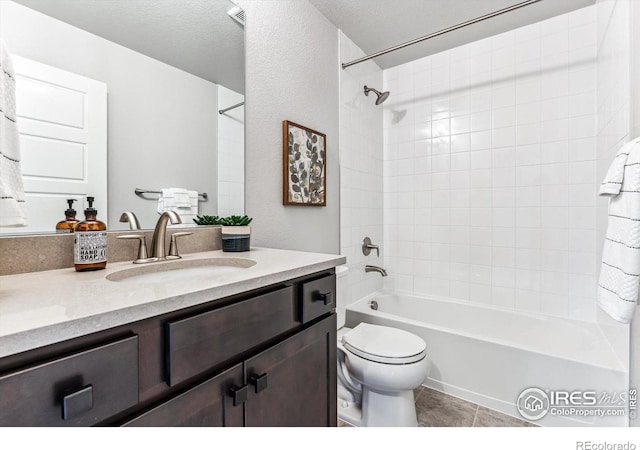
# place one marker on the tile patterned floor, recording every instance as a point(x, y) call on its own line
point(435, 409)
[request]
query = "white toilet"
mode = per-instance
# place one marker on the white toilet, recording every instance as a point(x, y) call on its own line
point(378, 368)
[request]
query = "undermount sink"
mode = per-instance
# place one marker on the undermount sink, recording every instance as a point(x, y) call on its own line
point(180, 270)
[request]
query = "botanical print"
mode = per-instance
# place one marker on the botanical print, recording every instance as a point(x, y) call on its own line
point(305, 156)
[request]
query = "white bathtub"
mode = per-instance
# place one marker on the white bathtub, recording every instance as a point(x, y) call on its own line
point(489, 356)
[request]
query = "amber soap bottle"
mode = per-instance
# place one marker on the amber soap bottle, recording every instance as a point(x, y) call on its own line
point(90, 245)
point(69, 223)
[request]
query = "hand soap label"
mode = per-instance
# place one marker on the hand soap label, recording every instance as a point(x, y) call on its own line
point(90, 247)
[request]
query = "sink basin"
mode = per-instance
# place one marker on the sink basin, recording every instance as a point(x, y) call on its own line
point(180, 270)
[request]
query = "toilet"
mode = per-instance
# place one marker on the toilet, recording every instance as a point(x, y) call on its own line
point(378, 369)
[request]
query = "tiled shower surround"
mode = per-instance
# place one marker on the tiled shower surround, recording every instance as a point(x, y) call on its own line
point(360, 171)
point(490, 170)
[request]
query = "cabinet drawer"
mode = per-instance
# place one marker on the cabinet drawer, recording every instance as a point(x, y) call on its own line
point(201, 342)
point(76, 390)
point(317, 297)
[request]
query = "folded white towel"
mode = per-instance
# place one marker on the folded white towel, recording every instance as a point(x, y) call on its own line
point(12, 199)
point(180, 200)
point(620, 272)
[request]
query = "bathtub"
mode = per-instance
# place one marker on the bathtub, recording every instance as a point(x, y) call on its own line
point(489, 356)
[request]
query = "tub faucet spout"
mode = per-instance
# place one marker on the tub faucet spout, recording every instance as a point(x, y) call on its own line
point(380, 270)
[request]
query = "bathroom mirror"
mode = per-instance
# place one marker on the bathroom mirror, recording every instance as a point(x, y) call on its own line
point(167, 68)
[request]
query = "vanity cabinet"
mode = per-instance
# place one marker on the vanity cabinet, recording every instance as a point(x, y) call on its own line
point(79, 389)
point(295, 375)
point(206, 405)
point(261, 358)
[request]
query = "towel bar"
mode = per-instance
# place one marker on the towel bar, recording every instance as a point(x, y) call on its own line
point(141, 192)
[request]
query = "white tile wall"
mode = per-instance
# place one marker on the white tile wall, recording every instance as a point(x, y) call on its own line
point(490, 170)
point(361, 168)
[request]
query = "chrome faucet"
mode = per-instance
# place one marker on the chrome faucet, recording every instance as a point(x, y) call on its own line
point(380, 270)
point(157, 243)
point(130, 217)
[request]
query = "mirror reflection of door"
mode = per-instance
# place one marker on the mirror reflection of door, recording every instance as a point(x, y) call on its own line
point(62, 119)
point(169, 66)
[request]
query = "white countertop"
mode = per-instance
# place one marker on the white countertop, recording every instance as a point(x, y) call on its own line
point(42, 308)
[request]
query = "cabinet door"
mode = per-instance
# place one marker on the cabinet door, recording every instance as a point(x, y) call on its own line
point(294, 382)
point(205, 405)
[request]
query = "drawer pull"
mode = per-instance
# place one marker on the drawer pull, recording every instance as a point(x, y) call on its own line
point(324, 297)
point(259, 381)
point(239, 394)
point(77, 403)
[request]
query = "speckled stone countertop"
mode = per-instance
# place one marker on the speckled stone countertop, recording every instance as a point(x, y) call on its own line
point(42, 308)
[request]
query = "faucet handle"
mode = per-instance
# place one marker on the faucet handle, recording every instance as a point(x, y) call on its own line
point(367, 246)
point(173, 246)
point(143, 256)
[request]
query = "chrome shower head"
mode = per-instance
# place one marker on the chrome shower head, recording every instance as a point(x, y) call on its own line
point(382, 96)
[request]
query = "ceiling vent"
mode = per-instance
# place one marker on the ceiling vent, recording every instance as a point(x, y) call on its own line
point(237, 14)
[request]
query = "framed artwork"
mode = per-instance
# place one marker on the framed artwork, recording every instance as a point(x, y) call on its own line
point(304, 166)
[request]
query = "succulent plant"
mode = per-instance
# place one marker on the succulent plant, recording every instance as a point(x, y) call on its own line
point(231, 221)
point(235, 221)
point(207, 220)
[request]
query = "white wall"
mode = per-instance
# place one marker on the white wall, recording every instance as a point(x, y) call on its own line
point(634, 371)
point(159, 135)
point(360, 171)
point(490, 171)
point(230, 154)
point(291, 74)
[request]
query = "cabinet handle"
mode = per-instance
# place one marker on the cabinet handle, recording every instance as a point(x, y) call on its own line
point(324, 297)
point(259, 381)
point(239, 394)
point(77, 402)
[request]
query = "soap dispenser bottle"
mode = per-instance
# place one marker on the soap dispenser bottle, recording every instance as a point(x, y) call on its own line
point(90, 245)
point(68, 224)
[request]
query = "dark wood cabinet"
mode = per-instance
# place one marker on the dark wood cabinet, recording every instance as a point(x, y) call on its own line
point(78, 389)
point(206, 405)
point(261, 358)
point(296, 375)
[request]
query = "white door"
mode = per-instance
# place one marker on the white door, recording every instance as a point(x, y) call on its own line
point(62, 119)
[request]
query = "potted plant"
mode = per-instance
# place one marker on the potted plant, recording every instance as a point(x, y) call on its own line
point(236, 233)
point(207, 220)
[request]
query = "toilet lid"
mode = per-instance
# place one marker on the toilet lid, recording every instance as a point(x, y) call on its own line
point(384, 344)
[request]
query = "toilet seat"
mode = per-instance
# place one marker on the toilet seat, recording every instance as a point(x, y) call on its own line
point(384, 345)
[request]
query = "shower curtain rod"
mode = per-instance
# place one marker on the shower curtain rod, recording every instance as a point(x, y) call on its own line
point(222, 111)
point(438, 33)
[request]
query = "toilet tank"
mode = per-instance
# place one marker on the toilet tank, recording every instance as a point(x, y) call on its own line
point(342, 293)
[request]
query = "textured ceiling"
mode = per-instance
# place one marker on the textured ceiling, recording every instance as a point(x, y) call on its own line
point(196, 36)
point(375, 25)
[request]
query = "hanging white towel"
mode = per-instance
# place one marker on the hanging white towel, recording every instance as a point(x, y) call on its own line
point(180, 200)
point(620, 272)
point(12, 200)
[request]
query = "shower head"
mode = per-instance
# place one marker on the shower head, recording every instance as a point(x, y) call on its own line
point(382, 96)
